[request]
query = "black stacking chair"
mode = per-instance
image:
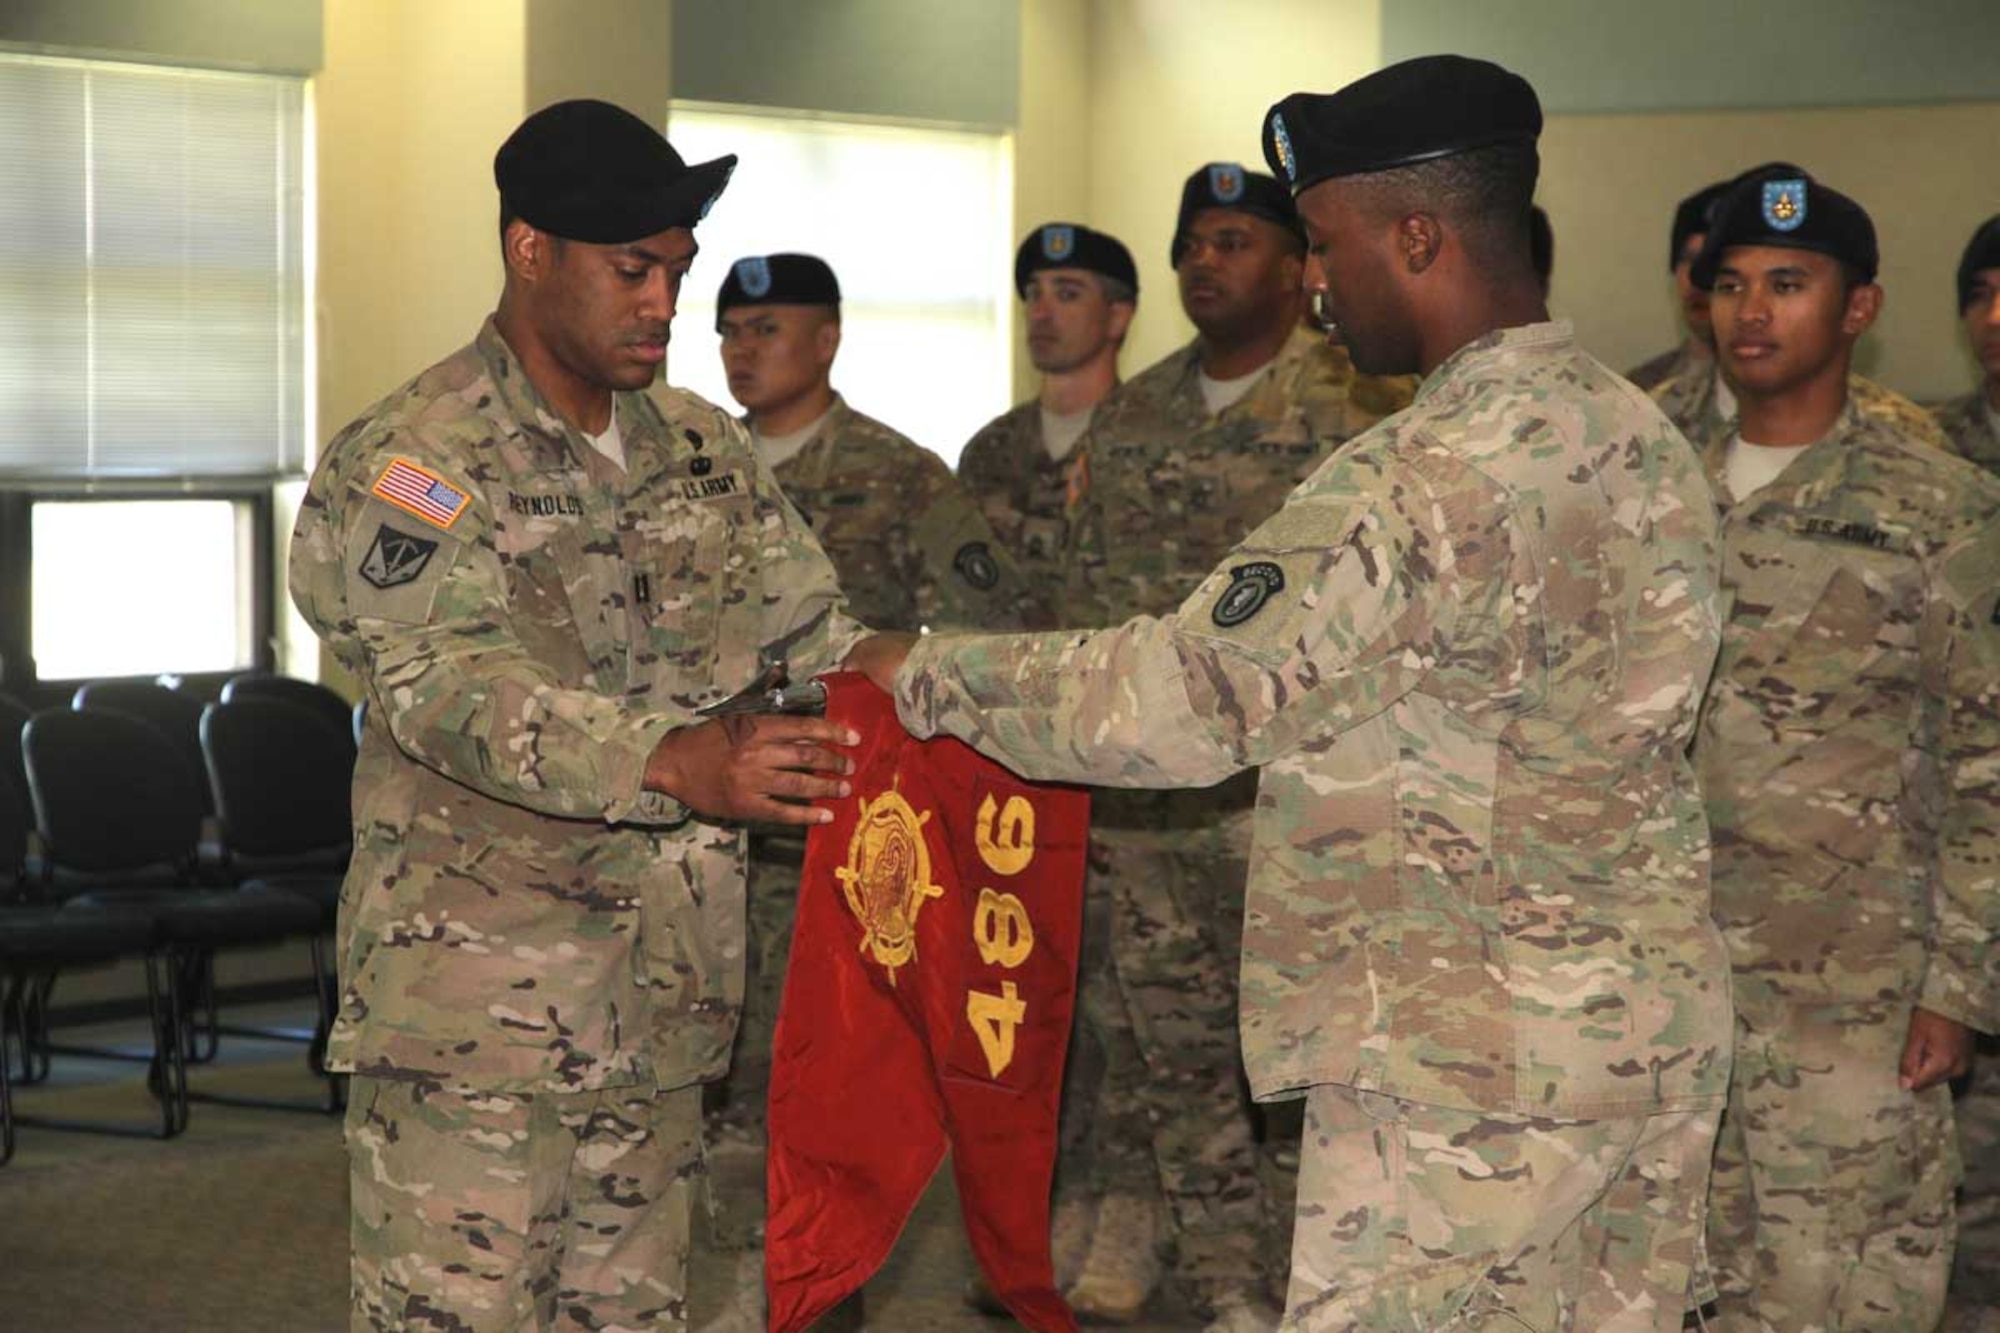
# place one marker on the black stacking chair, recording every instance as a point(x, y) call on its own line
point(280, 776)
point(14, 715)
point(119, 813)
point(17, 818)
point(36, 942)
point(307, 695)
point(176, 715)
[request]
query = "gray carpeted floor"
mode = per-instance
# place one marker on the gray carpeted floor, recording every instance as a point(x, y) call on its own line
point(240, 1224)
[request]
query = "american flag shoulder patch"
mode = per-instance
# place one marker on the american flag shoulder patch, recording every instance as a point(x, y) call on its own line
point(418, 490)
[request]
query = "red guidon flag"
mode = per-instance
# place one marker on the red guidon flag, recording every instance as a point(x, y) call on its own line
point(926, 1007)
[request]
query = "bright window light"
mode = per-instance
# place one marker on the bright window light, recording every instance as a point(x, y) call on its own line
point(178, 599)
point(914, 221)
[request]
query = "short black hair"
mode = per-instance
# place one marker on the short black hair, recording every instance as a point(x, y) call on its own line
point(1541, 244)
point(1484, 194)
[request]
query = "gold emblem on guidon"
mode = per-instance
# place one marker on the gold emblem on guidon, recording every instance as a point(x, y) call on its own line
point(887, 879)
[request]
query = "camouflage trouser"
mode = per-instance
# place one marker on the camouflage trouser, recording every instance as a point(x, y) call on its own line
point(1104, 1135)
point(738, 1127)
point(1414, 1218)
point(1831, 1210)
point(506, 1211)
point(1176, 937)
point(1975, 1277)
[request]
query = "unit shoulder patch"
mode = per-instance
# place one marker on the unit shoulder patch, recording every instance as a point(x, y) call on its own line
point(975, 564)
point(1250, 587)
point(395, 558)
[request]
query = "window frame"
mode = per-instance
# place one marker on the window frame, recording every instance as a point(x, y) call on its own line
point(23, 679)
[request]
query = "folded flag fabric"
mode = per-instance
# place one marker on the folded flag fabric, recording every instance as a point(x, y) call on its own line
point(926, 1008)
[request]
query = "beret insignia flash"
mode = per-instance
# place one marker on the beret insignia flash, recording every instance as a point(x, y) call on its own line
point(754, 276)
point(1785, 204)
point(1058, 240)
point(1281, 141)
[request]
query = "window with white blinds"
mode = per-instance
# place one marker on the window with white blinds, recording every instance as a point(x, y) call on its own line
point(152, 272)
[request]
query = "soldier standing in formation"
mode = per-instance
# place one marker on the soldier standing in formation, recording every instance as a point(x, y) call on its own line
point(912, 546)
point(1695, 355)
point(1079, 289)
point(1972, 423)
point(1467, 656)
point(1847, 751)
point(1178, 466)
point(538, 573)
point(1701, 399)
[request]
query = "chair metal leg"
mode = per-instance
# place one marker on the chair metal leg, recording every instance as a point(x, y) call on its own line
point(166, 1075)
point(334, 1099)
point(7, 1023)
point(34, 1012)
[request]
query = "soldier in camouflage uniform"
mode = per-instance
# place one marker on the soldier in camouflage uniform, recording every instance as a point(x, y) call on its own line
point(1848, 753)
point(538, 573)
point(1972, 423)
point(1467, 656)
point(914, 551)
point(1696, 353)
point(1080, 290)
point(1178, 466)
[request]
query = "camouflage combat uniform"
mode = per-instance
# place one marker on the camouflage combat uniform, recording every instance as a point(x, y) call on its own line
point(1024, 495)
point(911, 549)
point(1680, 363)
point(539, 960)
point(1968, 424)
point(1466, 655)
point(1848, 751)
point(1690, 402)
point(1161, 490)
point(1976, 1271)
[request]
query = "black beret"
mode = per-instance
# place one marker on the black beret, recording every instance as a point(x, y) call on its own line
point(1691, 218)
point(590, 171)
point(1781, 206)
point(1069, 245)
point(1981, 252)
point(1411, 112)
point(778, 280)
point(1228, 185)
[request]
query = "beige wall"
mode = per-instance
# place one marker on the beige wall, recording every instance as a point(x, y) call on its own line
point(412, 102)
point(617, 50)
point(1052, 140)
point(1610, 184)
point(1176, 83)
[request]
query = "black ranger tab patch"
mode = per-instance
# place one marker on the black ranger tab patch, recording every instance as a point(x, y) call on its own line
point(975, 564)
point(1858, 533)
point(395, 558)
point(1250, 586)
